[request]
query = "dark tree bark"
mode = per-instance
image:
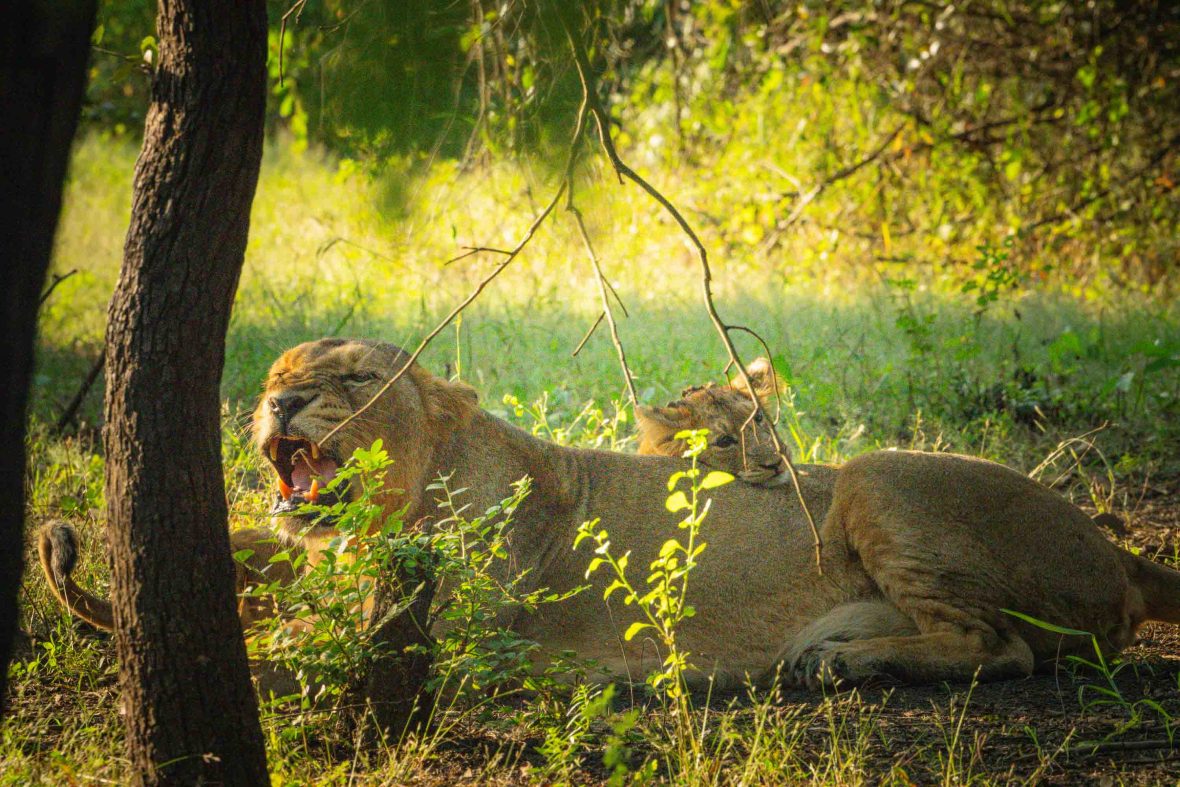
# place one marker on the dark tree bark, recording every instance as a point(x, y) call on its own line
point(393, 690)
point(44, 46)
point(190, 710)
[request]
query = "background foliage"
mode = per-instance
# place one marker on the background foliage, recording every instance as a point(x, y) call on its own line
point(930, 128)
point(955, 226)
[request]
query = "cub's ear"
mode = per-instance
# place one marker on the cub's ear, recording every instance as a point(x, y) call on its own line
point(763, 378)
point(658, 427)
point(673, 416)
point(690, 390)
point(451, 403)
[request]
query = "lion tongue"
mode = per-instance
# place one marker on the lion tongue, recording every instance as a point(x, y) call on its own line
point(306, 469)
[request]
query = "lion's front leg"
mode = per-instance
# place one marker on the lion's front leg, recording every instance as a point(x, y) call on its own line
point(953, 656)
point(256, 569)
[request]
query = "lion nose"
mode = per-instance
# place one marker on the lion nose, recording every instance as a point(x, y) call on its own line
point(286, 405)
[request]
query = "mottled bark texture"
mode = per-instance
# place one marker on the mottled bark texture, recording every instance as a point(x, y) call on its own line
point(190, 710)
point(393, 691)
point(44, 46)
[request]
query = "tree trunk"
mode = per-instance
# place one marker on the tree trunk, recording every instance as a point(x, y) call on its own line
point(190, 710)
point(44, 46)
point(393, 691)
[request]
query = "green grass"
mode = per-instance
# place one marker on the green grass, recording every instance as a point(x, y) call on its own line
point(334, 251)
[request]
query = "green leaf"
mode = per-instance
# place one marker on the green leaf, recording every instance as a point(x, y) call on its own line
point(594, 564)
point(618, 584)
point(242, 555)
point(634, 629)
point(715, 479)
point(1044, 625)
point(676, 502)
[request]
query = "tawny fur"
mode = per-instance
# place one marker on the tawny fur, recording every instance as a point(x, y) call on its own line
point(919, 557)
point(950, 541)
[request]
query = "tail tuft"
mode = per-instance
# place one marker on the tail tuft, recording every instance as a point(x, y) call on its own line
point(62, 544)
point(58, 549)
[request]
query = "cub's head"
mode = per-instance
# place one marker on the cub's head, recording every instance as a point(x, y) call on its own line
point(738, 443)
point(313, 388)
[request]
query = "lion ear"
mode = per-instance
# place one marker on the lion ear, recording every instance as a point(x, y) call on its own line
point(763, 378)
point(654, 420)
point(452, 403)
point(690, 390)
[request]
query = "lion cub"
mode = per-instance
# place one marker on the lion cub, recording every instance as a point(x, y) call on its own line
point(738, 443)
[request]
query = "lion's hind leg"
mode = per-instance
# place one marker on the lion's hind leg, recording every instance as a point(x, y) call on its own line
point(948, 655)
point(854, 620)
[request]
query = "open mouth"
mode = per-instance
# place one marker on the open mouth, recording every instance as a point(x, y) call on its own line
point(304, 471)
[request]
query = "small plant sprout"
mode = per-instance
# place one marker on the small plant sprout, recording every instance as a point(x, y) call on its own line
point(663, 606)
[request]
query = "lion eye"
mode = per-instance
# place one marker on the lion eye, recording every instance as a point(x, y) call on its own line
point(758, 417)
point(358, 378)
point(724, 441)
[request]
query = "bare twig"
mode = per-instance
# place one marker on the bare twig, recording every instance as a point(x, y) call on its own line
point(512, 255)
point(509, 256)
point(589, 333)
point(604, 292)
point(75, 404)
point(327, 246)
point(58, 278)
point(296, 9)
point(469, 251)
point(766, 349)
point(602, 121)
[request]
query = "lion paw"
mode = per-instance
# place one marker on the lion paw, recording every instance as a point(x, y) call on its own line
point(821, 666)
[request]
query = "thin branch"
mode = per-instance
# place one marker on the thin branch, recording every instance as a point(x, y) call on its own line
point(605, 294)
point(454, 313)
point(328, 245)
point(296, 9)
point(75, 404)
point(856, 167)
point(589, 333)
point(602, 121)
point(774, 377)
point(509, 256)
point(473, 250)
point(58, 278)
point(615, 293)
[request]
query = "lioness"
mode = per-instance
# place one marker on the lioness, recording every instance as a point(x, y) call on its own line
point(912, 587)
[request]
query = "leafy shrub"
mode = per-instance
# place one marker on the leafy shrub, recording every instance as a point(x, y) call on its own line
point(323, 634)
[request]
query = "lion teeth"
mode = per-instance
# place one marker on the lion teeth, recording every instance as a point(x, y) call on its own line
point(314, 492)
point(274, 450)
point(315, 451)
point(285, 490)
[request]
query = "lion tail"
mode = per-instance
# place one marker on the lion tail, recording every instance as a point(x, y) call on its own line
point(58, 549)
point(1159, 585)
